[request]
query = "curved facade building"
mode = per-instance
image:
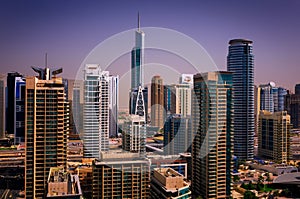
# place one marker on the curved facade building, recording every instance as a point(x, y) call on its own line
point(240, 61)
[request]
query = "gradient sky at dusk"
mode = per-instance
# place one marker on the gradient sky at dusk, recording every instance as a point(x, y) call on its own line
point(69, 29)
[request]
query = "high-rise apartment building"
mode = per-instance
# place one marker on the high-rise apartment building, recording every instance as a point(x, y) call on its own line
point(267, 101)
point(2, 105)
point(181, 99)
point(282, 92)
point(240, 61)
point(177, 134)
point(167, 99)
point(121, 175)
point(95, 111)
point(113, 105)
point(77, 107)
point(47, 127)
point(212, 149)
point(271, 97)
point(274, 136)
point(292, 106)
point(157, 102)
point(297, 89)
point(256, 106)
point(15, 115)
point(134, 134)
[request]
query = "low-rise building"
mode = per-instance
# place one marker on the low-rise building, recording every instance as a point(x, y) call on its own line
point(166, 183)
point(62, 184)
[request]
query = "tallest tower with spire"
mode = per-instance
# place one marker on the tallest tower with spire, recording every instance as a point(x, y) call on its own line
point(138, 104)
point(137, 58)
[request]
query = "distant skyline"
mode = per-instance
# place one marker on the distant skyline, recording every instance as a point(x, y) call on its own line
point(69, 30)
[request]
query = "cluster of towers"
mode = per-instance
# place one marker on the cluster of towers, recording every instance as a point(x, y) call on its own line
point(214, 116)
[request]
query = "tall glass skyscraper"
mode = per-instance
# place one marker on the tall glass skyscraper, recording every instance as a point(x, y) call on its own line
point(15, 118)
point(137, 59)
point(138, 102)
point(240, 61)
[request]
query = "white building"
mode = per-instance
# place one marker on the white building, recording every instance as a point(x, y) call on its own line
point(134, 134)
point(181, 99)
point(95, 111)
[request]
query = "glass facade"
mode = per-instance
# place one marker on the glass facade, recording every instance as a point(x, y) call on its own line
point(96, 111)
point(212, 126)
point(240, 61)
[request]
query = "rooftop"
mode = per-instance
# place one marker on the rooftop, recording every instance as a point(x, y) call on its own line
point(243, 41)
point(288, 178)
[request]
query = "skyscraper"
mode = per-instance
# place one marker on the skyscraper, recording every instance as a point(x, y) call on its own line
point(181, 98)
point(113, 105)
point(256, 107)
point(297, 89)
point(271, 97)
point(274, 136)
point(177, 134)
point(47, 127)
point(167, 99)
point(267, 101)
point(137, 58)
point(15, 118)
point(282, 92)
point(157, 102)
point(2, 105)
point(240, 61)
point(138, 102)
point(134, 134)
point(121, 175)
point(95, 111)
point(292, 105)
point(212, 148)
point(77, 106)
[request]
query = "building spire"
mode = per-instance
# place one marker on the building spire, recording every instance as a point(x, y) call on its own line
point(46, 60)
point(139, 21)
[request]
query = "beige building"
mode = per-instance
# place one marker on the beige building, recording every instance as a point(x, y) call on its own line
point(61, 184)
point(46, 129)
point(157, 102)
point(274, 136)
point(212, 148)
point(181, 99)
point(166, 183)
point(121, 175)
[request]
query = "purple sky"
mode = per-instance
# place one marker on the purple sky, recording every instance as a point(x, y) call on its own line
point(69, 29)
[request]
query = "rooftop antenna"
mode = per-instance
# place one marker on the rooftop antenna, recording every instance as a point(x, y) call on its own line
point(139, 21)
point(46, 60)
